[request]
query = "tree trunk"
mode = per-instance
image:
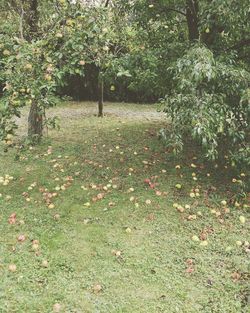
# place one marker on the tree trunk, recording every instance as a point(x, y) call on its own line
point(192, 10)
point(21, 23)
point(35, 123)
point(32, 19)
point(100, 94)
point(35, 119)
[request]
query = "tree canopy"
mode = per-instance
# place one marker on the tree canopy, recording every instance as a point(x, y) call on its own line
point(191, 56)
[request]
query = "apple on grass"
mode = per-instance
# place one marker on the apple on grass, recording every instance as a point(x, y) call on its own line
point(178, 186)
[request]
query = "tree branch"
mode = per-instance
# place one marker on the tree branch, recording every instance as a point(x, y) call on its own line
point(177, 11)
point(21, 22)
point(239, 45)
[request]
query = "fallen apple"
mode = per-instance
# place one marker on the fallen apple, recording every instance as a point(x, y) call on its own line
point(45, 263)
point(242, 219)
point(195, 238)
point(12, 268)
point(57, 307)
point(21, 238)
point(97, 288)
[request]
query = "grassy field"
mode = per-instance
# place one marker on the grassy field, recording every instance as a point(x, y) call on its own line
point(101, 218)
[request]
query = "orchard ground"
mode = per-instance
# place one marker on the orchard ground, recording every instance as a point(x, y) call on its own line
point(102, 218)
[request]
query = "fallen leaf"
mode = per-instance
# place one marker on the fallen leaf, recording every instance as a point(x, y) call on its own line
point(150, 217)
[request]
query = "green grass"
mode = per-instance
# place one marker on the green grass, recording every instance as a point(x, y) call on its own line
point(150, 276)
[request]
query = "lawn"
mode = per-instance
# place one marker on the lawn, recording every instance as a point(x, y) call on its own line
point(102, 218)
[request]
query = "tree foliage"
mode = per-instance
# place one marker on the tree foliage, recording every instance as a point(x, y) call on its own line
point(211, 100)
point(192, 54)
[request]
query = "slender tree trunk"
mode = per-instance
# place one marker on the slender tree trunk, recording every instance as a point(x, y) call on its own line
point(32, 18)
point(35, 123)
point(21, 23)
point(101, 83)
point(35, 119)
point(100, 94)
point(192, 10)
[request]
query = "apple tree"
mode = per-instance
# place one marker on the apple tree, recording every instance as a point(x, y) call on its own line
point(29, 77)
